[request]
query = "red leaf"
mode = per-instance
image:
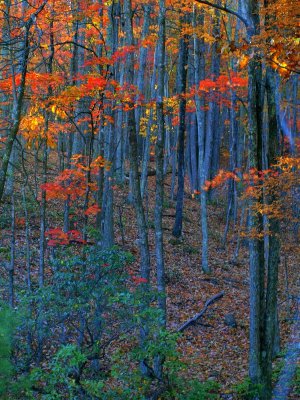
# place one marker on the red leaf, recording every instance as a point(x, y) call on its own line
point(92, 210)
point(137, 280)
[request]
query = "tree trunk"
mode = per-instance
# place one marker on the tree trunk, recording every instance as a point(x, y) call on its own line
point(200, 115)
point(250, 9)
point(159, 195)
point(135, 177)
point(271, 320)
point(182, 78)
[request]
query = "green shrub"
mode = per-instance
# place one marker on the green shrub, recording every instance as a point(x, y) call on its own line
point(62, 377)
point(246, 390)
point(199, 390)
point(296, 382)
point(11, 385)
point(89, 317)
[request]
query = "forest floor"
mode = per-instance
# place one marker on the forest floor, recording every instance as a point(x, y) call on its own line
point(212, 349)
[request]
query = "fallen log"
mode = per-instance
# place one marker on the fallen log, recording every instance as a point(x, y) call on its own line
point(193, 320)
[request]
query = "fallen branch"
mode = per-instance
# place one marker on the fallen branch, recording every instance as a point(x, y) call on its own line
point(201, 313)
point(227, 10)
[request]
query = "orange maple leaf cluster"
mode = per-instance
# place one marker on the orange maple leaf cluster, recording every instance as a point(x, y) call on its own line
point(57, 237)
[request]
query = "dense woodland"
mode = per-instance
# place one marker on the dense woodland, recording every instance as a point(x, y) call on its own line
point(149, 199)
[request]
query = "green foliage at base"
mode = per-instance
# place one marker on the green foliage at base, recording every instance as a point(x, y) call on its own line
point(12, 386)
point(60, 381)
point(199, 390)
point(6, 368)
point(246, 390)
point(125, 380)
point(86, 326)
point(296, 382)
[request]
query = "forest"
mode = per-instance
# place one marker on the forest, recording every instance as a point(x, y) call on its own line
point(149, 199)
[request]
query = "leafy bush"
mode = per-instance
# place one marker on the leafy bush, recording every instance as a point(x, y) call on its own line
point(11, 386)
point(83, 307)
point(246, 390)
point(199, 390)
point(85, 325)
point(296, 382)
point(62, 377)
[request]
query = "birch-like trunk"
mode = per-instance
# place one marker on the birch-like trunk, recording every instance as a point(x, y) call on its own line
point(199, 61)
point(135, 178)
point(181, 91)
point(159, 193)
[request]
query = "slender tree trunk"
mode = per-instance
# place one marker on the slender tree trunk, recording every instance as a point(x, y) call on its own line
point(43, 204)
point(159, 196)
point(296, 192)
point(182, 79)
point(212, 144)
point(250, 10)
point(109, 132)
point(271, 320)
point(142, 61)
point(146, 153)
point(200, 115)
point(12, 253)
point(108, 195)
point(255, 226)
point(135, 178)
point(232, 203)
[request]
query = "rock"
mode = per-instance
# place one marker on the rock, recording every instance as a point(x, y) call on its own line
point(230, 320)
point(214, 376)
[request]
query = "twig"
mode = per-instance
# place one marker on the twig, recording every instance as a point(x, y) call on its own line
point(201, 313)
point(225, 9)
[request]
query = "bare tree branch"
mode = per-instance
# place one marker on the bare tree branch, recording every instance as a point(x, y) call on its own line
point(225, 9)
point(201, 313)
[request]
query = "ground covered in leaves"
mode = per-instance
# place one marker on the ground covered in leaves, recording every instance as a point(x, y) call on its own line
point(212, 349)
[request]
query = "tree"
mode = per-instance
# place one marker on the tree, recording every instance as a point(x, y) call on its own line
point(181, 90)
point(18, 88)
point(159, 198)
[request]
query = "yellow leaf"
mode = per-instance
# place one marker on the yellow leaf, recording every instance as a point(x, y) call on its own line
point(243, 61)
